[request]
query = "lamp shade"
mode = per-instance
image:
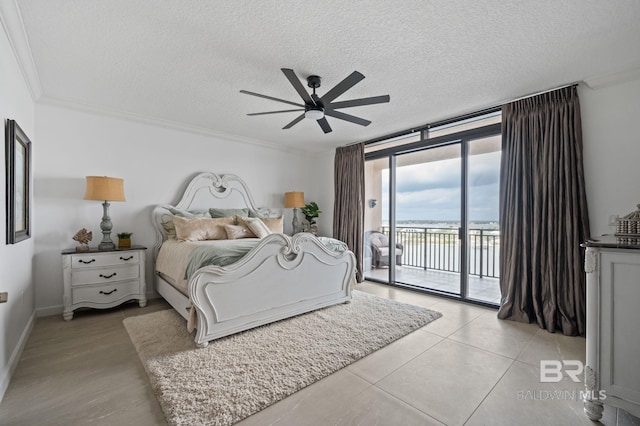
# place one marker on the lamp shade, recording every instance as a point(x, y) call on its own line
point(293, 199)
point(104, 188)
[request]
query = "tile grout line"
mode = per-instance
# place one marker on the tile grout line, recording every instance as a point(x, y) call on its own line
point(489, 393)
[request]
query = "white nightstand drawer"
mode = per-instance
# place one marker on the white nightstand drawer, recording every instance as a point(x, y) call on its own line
point(103, 259)
point(104, 275)
point(106, 293)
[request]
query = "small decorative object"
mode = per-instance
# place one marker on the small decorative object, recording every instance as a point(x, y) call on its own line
point(103, 188)
point(311, 211)
point(372, 203)
point(18, 195)
point(628, 228)
point(83, 237)
point(124, 239)
point(294, 200)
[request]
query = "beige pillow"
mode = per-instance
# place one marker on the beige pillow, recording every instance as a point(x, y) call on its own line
point(201, 228)
point(235, 232)
point(274, 224)
point(255, 225)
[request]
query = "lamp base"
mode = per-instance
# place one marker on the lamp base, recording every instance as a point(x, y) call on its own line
point(294, 223)
point(106, 246)
point(106, 226)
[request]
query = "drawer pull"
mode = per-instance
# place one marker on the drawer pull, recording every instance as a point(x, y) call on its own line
point(108, 292)
point(86, 262)
point(126, 258)
point(108, 276)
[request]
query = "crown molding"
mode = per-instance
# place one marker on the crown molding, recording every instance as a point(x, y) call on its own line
point(153, 121)
point(612, 79)
point(14, 29)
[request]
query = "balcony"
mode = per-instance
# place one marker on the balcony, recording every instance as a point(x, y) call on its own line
point(431, 260)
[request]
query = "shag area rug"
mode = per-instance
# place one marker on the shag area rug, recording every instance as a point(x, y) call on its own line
point(239, 375)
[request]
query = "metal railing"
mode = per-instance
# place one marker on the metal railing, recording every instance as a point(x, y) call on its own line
point(439, 249)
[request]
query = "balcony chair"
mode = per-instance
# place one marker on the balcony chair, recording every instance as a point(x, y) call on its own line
point(379, 243)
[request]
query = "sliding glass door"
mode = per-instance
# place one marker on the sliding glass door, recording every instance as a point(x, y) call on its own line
point(431, 216)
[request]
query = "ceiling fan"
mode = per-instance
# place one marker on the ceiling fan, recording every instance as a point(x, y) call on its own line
point(318, 107)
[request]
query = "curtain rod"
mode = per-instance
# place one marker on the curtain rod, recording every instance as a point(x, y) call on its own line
point(462, 117)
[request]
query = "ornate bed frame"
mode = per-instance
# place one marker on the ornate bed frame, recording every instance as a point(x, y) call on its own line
point(281, 277)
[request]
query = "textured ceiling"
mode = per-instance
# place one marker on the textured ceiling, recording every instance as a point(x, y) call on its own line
point(183, 62)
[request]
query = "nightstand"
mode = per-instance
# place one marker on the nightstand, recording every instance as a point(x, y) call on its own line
point(103, 278)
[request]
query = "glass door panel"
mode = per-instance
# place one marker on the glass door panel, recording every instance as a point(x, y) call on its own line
point(483, 178)
point(376, 217)
point(428, 195)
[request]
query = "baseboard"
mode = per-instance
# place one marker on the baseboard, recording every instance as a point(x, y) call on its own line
point(15, 356)
point(49, 310)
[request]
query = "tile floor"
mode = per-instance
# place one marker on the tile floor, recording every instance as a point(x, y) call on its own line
point(465, 368)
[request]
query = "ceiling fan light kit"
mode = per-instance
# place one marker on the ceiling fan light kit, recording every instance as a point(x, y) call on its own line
point(314, 113)
point(316, 107)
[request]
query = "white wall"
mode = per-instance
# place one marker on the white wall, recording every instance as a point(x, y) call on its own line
point(611, 137)
point(16, 316)
point(155, 162)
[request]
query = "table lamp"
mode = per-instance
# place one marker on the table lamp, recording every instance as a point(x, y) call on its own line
point(103, 188)
point(294, 200)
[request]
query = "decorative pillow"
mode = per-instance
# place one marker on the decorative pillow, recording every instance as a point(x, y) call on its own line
point(189, 213)
point(235, 232)
point(201, 228)
point(274, 224)
point(228, 212)
point(255, 225)
point(169, 229)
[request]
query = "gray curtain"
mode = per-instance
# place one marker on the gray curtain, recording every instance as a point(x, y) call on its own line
point(348, 207)
point(543, 213)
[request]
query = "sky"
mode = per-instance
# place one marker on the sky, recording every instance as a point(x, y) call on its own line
point(431, 191)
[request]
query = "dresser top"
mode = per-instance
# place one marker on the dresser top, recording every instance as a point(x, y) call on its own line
point(613, 241)
point(96, 250)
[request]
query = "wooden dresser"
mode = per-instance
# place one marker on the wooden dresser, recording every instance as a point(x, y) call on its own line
point(612, 373)
point(103, 278)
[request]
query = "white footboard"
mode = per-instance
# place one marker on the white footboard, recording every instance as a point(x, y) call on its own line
point(281, 277)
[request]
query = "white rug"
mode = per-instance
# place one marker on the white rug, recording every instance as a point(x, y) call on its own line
point(242, 374)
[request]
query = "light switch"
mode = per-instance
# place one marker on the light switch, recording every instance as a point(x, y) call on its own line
point(4, 297)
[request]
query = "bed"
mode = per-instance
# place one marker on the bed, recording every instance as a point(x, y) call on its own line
point(271, 278)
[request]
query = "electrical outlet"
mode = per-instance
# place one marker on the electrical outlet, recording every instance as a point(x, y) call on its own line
point(4, 297)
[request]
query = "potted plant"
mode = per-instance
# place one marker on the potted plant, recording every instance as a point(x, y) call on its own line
point(124, 239)
point(311, 211)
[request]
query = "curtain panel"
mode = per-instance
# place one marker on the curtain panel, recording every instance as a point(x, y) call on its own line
point(543, 213)
point(348, 207)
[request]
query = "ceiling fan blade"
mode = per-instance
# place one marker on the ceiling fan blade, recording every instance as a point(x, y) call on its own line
point(346, 84)
point(246, 92)
point(275, 112)
point(346, 117)
point(294, 122)
point(295, 82)
point(324, 125)
point(360, 102)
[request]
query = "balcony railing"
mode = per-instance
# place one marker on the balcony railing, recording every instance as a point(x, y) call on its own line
point(439, 249)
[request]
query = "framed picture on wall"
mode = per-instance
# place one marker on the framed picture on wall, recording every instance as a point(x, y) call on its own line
point(18, 166)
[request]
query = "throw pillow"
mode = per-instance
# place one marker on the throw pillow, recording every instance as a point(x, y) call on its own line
point(201, 228)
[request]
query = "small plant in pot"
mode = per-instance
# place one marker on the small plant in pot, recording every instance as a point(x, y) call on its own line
point(124, 239)
point(311, 211)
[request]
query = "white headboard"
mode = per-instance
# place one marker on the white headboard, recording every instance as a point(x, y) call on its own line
point(205, 191)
